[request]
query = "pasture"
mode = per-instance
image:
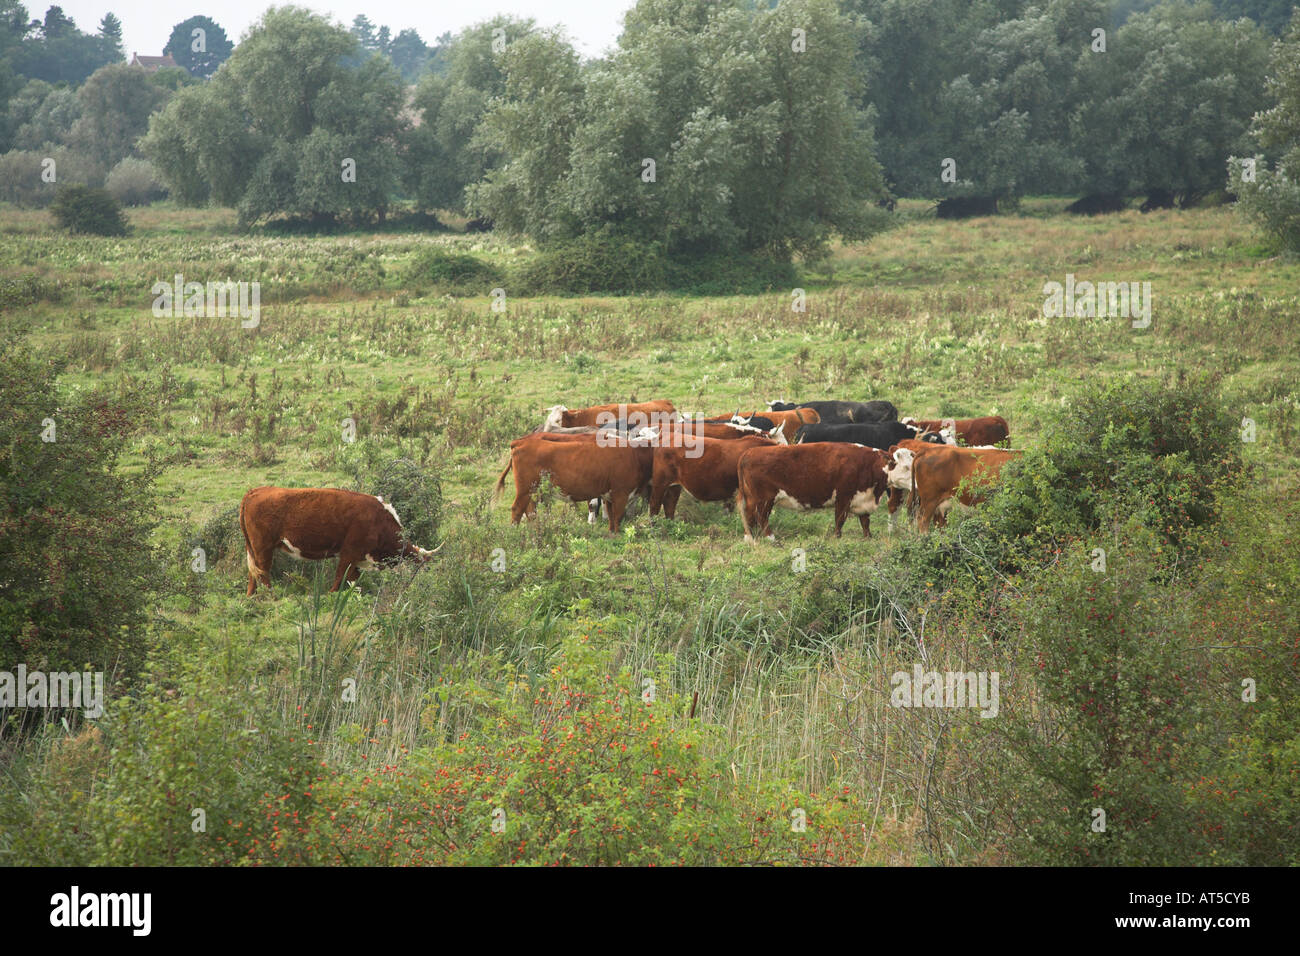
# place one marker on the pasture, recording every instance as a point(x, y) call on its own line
point(772, 661)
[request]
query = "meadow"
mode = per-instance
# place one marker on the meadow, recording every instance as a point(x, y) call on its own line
point(771, 664)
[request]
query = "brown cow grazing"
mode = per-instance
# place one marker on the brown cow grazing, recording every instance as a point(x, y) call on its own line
point(938, 475)
point(319, 523)
point(808, 476)
point(707, 471)
point(581, 468)
point(635, 414)
point(988, 430)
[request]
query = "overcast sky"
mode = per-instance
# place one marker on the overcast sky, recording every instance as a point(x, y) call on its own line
point(592, 25)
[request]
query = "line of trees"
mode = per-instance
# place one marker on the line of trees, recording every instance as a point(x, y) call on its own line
point(718, 126)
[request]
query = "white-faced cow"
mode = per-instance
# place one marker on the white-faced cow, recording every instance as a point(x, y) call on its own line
point(947, 475)
point(632, 415)
point(850, 478)
point(313, 524)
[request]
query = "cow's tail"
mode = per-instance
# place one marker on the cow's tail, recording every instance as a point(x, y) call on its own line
point(253, 569)
point(243, 526)
point(501, 481)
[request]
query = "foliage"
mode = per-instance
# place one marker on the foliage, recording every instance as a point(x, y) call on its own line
point(443, 155)
point(88, 209)
point(575, 766)
point(1169, 102)
point(75, 534)
point(755, 144)
point(453, 270)
point(1272, 198)
point(284, 128)
point(23, 180)
point(216, 46)
point(54, 49)
point(125, 792)
point(116, 103)
point(134, 182)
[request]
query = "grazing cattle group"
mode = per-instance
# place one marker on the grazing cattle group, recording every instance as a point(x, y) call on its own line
point(843, 455)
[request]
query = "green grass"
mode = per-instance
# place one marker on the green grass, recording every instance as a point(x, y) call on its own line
point(942, 318)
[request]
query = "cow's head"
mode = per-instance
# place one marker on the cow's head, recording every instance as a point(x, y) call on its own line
point(780, 405)
point(898, 468)
point(910, 422)
point(948, 429)
point(645, 435)
point(777, 435)
point(554, 418)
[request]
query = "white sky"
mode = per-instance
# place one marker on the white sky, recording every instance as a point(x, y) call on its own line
point(592, 25)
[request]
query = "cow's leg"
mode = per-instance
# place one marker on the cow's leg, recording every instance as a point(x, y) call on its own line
point(657, 491)
point(865, 521)
point(926, 512)
point(941, 512)
point(593, 510)
point(617, 505)
point(766, 512)
point(260, 565)
point(523, 496)
point(347, 568)
point(670, 501)
point(841, 513)
point(748, 516)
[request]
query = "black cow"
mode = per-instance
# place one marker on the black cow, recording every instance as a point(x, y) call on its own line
point(844, 413)
point(872, 434)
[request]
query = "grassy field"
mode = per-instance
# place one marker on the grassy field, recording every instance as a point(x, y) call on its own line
point(789, 667)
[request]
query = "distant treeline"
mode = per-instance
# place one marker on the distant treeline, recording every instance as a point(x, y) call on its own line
point(711, 126)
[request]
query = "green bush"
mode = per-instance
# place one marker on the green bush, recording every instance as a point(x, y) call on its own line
point(135, 182)
point(414, 493)
point(77, 556)
point(19, 291)
point(594, 264)
point(1272, 202)
point(608, 265)
point(736, 274)
point(125, 795)
point(85, 209)
point(1111, 697)
point(453, 270)
point(21, 171)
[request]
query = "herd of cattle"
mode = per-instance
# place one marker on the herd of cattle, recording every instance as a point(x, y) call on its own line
point(834, 454)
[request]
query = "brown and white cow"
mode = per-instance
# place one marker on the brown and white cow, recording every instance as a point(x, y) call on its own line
point(947, 474)
point(707, 470)
point(318, 523)
point(635, 414)
point(809, 476)
point(898, 472)
point(988, 430)
point(582, 468)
